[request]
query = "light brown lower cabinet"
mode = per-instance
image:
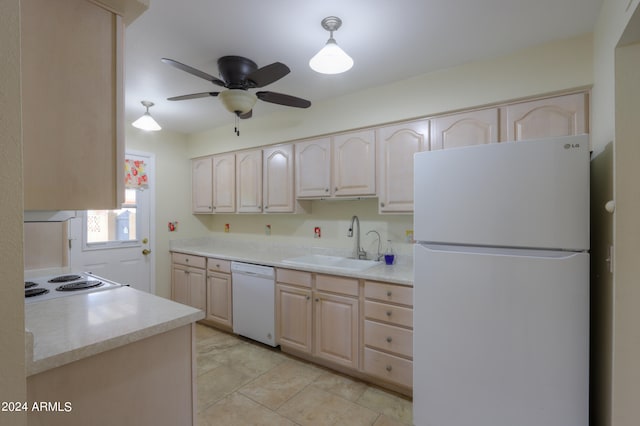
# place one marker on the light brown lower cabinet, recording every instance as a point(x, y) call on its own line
point(188, 280)
point(319, 318)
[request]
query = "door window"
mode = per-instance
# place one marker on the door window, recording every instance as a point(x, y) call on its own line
point(109, 228)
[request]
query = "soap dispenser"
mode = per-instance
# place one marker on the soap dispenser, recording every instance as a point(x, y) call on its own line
point(389, 254)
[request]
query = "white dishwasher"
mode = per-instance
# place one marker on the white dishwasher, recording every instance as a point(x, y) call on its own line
point(254, 302)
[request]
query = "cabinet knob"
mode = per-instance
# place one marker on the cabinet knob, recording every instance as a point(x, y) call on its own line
point(389, 339)
point(214, 207)
point(381, 204)
point(389, 293)
point(186, 260)
point(266, 207)
point(335, 189)
point(389, 368)
point(317, 300)
point(326, 190)
point(217, 265)
point(388, 313)
point(308, 297)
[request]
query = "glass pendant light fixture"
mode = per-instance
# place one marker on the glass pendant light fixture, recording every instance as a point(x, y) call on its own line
point(331, 59)
point(146, 122)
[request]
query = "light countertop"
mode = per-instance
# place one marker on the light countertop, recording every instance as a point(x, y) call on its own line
point(273, 254)
point(66, 329)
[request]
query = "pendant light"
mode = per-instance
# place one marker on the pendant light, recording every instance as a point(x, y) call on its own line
point(331, 59)
point(146, 122)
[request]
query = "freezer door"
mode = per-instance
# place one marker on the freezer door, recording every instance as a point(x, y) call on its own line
point(500, 339)
point(510, 194)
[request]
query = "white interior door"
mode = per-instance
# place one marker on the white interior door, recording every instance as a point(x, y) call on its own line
point(116, 244)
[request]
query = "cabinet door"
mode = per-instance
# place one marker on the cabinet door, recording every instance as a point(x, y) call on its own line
point(396, 146)
point(313, 168)
point(72, 105)
point(219, 299)
point(294, 319)
point(197, 288)
point(544, 118)
point(249, 181)
point(336, 329)
point(180, 284)
point(201, 185)
point(464, 129)
point(278, 179)
point(224, 183)
point(354, 164)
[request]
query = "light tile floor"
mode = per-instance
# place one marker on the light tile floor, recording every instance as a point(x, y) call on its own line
point(243, 383)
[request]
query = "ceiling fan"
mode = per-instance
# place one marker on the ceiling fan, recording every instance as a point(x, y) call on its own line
point(239, 74)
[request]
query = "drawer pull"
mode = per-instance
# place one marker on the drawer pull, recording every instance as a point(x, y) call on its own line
point(217, 265)
point(186, 260)
point(389, 339)
point(389, 368)
point(389, 293)
point(388, 313)
point(308, 297)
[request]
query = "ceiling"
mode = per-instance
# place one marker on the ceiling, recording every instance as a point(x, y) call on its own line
point(388, 40)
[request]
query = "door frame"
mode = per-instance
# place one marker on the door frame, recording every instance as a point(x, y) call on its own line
point(151, 172)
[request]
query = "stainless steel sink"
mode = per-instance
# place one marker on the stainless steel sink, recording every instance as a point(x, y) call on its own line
point(333, 262)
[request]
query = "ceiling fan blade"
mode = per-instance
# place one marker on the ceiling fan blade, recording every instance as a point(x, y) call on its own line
point(282, 99)
point(246, 114)
point(193, 96)
point(268, 74)
point(194, 71)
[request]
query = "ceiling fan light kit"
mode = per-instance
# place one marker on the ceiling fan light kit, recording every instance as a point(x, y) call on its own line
point(238, 101)
point(146, 122)
point(237, 76)
point(331, 59)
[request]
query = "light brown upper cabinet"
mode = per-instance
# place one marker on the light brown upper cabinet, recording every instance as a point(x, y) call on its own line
point(277, 180)
point(396, 146)
point(313, 168)
point(224, 183)
point(201, 192)
point(72, 105)
point(354, 164)
point(464, 129)
point(249, 181)
point(558, 116)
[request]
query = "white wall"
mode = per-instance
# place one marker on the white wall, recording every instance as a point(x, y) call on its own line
point(551, 67)
point(13, 385)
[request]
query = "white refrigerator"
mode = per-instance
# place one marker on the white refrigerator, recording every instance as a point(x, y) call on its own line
point(501, 284)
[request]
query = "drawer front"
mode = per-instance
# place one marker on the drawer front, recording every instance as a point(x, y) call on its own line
point(389, 338)
point(189, 260)
point(219, 265)
point(334, 284)
point(388, 367)
point(290, 276)
point(398, 315)
point(388, 292)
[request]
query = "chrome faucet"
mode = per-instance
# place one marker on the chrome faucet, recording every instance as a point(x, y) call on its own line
point(358, 253)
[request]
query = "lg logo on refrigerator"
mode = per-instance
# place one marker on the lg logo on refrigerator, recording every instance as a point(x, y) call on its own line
point(571, 145)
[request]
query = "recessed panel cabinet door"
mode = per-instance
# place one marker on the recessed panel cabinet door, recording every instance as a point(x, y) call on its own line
point(201, 196)
point(313, 168)
point(396, 146)
point(294, 318)
point(336, 329)
point(354, 164)
point(219, 304)
point(278, 179)
point(544, 118)
point(224, 183)
point(249, 181)
point(464, 129)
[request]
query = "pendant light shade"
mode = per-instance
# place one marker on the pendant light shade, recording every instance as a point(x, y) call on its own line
point(331, 59)
point(146, 122)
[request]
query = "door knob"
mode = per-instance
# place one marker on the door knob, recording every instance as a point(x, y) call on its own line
point(146, 251)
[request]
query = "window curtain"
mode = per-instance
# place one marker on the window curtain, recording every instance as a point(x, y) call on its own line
point(135, 174)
